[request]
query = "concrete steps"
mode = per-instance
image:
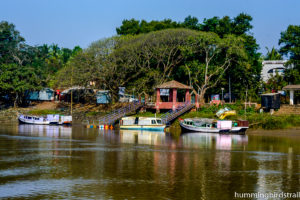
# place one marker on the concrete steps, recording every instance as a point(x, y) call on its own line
point(288, 110)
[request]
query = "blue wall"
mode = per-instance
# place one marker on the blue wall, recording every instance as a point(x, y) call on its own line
point(103, 97)
point(45, 94)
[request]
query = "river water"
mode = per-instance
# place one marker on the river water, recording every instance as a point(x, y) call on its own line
point(55, 162)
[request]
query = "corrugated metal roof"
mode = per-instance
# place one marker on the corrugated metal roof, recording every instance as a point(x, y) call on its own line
point(269, 94)
point(291, 87)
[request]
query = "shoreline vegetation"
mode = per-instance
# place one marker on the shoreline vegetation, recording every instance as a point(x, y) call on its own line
point(209, 56)
point(92, 112)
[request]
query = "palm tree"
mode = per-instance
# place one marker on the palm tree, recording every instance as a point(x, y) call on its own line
point(273, 54)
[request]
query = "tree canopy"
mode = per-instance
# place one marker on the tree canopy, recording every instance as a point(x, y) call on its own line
point(205, 55)
point(240, 26)
point(26, 68)
point(140, 62)
point(290, 47)
point(273, 54)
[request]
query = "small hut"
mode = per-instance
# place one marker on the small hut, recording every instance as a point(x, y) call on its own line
point(103, 97)
point(292, 89)
point(45, 94)
point(173, 101)
point(270, 101)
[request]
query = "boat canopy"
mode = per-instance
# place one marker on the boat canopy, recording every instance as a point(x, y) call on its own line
point(200, 121)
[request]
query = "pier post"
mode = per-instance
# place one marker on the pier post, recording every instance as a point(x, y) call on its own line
point(291, 97)
point(187, 96)
point(157, 99)
point(174, 98)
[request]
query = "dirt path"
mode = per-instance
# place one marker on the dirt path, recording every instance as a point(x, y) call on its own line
point(46, 106)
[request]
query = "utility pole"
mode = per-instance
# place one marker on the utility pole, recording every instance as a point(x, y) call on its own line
point(246, 102)
point(72, 91)
point(229, 90)
point(222, 94)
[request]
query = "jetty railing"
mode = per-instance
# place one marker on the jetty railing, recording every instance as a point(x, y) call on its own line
point(112, 117)
point(173, 114)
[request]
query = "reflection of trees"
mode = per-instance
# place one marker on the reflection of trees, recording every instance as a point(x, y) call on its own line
point(169, 168)
point(187, 169)
point(156, 167)
point(276, 161)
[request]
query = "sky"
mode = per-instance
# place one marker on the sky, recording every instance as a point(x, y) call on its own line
point(80, 22)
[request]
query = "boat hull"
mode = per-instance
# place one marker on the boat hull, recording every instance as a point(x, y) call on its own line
point(24, 121)
point(61, 123)
point(143, 127)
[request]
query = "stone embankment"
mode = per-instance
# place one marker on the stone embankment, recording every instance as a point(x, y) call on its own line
point(10, 115)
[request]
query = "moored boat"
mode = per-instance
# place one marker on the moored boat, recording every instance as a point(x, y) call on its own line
point(24, 119)
point(49, 119)
point(213, 126)
point(142, 123)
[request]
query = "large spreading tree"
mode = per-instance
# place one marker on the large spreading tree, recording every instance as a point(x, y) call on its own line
point(209, 57)
point(247, 72)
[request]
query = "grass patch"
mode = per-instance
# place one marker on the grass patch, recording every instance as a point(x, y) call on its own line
point(91, 114)
point(148, 114)
point(271, 122)
point(44, 112)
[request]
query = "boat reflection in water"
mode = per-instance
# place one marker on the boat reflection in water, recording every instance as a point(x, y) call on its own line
point(45, 131)
point(214, 140)
point(142, 137)
point(187, 140)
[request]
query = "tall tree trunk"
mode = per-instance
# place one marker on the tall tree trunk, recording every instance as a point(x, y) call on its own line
point(201, 97)
point(115, 94)
point(16, 100)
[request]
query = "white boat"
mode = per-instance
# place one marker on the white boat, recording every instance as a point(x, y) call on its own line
point(142, 123)
point(33, 120)
point(213, 126)
point(49, 119)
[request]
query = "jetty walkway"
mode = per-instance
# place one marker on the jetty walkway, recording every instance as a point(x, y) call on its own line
point(107, 121)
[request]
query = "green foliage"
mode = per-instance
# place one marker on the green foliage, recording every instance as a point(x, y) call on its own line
point(134, 27)
point(191, 23)
point(208, 57)
point(273, 54)
point(25, 68)
point(11, 43)
point(244, 73)
point(15, 80)
point(92, 113)
point(149, 114)
point(270, 122)
point(275, 83)
point(138, 62)
point(290, 46)
point(44, 112)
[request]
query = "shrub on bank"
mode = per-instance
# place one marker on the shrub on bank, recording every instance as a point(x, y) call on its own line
point(271, 122)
